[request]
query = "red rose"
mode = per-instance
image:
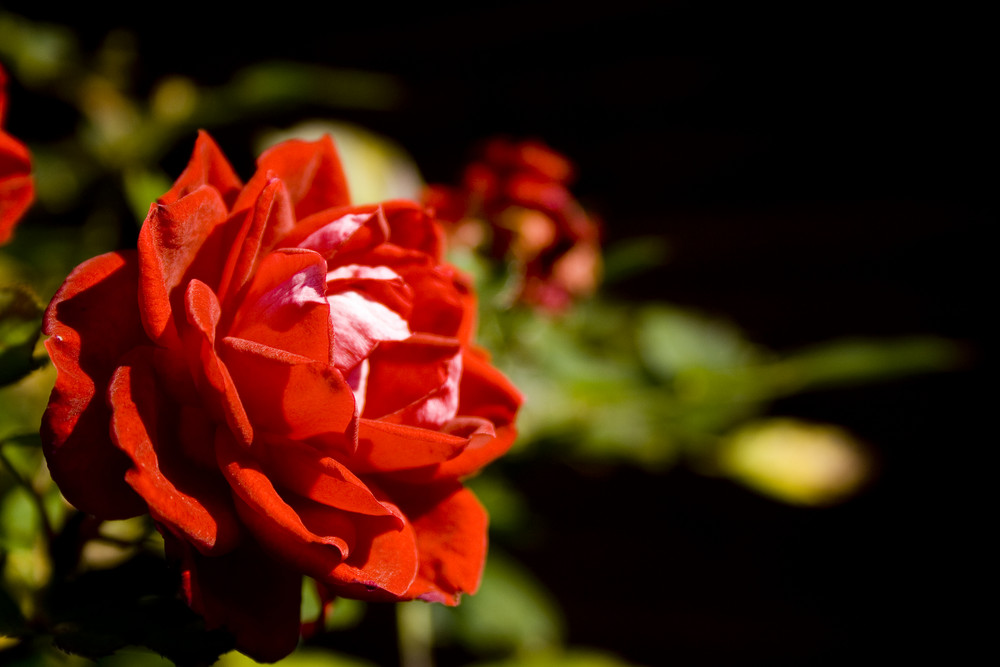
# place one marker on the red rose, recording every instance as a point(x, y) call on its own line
point(520, 191)
point(16, 188)
point(287, 384)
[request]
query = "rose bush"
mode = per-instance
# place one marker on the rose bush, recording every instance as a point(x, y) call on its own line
point(288, 385)
point(517, 194)
point(16, 187)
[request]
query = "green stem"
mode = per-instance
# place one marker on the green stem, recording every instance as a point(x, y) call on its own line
point(416, 634)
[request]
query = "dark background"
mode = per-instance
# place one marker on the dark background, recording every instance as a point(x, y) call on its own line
point(816, 174)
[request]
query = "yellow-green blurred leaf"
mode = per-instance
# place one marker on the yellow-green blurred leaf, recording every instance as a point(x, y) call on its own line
point(142, 187)
point(22, 403)
point(671, 340)
point(19, 521)
point(796, 462)
point(303, 657)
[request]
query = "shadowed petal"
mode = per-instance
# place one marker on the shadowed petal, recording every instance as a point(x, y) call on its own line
point(305, 471)
point(275, 523)
point(93, 320)
point(16, 185)
point(412, 228)
point(211, 375)
point(248, 592)
point(171, 241)
point(290, 395)
point(195, 504)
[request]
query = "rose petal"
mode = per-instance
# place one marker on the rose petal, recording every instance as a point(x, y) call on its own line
point(440, 302)
point(485, 446)
point(285, 305)
point(485, 391)
point(248, 592)
point(314, 223)
point(275, 523)
point(292, 396)
point(376, 283)
point(211, 376)
point(194, 504)
point(171, 241)
point(269, 218)
point(383, 563)
point(14, 156)
point(451, 529)
point(486, 396)
point(16, 194)
point(307, 472)
point(420, 375)
point(207, 166)
point(384, 447)
point(16, 185)
point(312, 173)
point(411, 227)
point(333, 234)
point(359, 324)
point(92, 320)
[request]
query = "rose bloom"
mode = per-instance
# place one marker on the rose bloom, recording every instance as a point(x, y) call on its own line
point(16, 187)
point(287, 384)
point(517, 194)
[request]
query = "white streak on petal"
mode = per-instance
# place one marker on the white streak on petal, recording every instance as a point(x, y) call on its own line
point(358, 326)
point(331, 236)
point(443, 405)
point(357, 379)
point(359, 272)
point(298, 289)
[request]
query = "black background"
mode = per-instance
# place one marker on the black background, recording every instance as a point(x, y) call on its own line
point(816, 173)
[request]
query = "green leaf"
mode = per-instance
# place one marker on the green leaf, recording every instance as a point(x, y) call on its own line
point(303, 657)
point(22, 405)
point(671, 340)
point(855, 361)
point(20, 326)
point(631, 256)
point(277, 84)
point(18, 519)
